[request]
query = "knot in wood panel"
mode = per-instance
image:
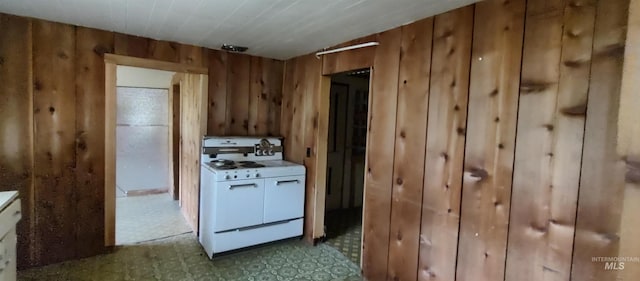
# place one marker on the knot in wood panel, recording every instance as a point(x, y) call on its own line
point(612, 51)
point(445, 156)
point(538, 229)
point(478, 173)
point(533, 87)
point(37, 85)
point(577, 110)
point(633, 171)
point(101, 50)
point(63, 55)
point(82, 145)
point(610, 237)
point(494, 93)
point(575, 63)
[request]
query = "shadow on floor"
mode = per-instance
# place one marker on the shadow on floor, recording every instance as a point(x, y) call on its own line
point(344, 232)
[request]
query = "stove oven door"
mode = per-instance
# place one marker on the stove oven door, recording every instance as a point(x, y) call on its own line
point(238, 204)
point(283, 198)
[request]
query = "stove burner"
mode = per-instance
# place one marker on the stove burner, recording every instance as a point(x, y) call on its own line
point(226, 167)
point(247, 162)
point(252, 165)
point(222, 162)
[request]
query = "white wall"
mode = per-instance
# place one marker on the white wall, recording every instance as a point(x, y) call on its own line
point(128, 76)
point(142, 139)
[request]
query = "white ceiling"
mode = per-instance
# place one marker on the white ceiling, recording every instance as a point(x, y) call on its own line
point(270, 28)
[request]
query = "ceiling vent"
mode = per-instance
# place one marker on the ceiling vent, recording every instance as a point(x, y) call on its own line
point(234, 48)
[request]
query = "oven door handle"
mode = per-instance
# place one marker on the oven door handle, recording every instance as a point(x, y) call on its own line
point(231, 187)
point(287, 181)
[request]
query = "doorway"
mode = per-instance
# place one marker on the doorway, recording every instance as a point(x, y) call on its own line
point(141, 126)
point(346, 148)
point(145, 209)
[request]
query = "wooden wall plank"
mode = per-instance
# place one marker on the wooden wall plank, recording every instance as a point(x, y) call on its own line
point(192, 89)
point(174, 134)
point(629, 130)
point(410, 141)
point(273, 75)
point(603, 170)
point(55, 128)
point(444, 159)
point(129, 45)
point(309, 132)
point(16, 125)
point(296, 134)
point(111, 74)
point(164, 51)
point(489, 151)
point(629, 144)
point(379, 167)
point(256, 102)
point(350, 60)
point(91, 44)
point(191, 55)
point(238, 94)
point(263, 97)
point(321, 123)
point(549, 143)
point(217, 93)
point(286, 115)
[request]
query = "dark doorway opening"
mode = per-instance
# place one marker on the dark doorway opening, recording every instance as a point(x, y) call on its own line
point(346, 150)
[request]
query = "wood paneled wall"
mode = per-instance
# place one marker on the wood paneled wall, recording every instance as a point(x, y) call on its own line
point(245, 95)
point(511, 172)
point(52, 126)
point(629, 142)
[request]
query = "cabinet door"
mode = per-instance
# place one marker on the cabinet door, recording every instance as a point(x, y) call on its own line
point(283, 198)
point(238, 204)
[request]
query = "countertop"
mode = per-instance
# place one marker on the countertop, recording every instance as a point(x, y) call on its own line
point(6, 197)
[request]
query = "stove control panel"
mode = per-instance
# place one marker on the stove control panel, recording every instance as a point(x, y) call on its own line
point(237, 175)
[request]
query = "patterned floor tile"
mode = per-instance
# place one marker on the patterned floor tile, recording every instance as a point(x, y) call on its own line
point(181, 258)
point(344, 232)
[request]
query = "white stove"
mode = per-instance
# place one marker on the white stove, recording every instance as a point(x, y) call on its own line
point(248, 194)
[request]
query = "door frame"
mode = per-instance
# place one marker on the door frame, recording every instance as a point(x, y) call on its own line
point(324, 97)
point(111, 62)
point(174, 135)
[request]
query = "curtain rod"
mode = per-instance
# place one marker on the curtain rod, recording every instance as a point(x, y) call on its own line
point(368, 44)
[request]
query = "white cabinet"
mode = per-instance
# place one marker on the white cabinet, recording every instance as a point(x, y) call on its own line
point(283, 198)
point(10, 214)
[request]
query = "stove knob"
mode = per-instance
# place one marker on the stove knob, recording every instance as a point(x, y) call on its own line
point(227, 177)
point(257, 175)
point(247, 175)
